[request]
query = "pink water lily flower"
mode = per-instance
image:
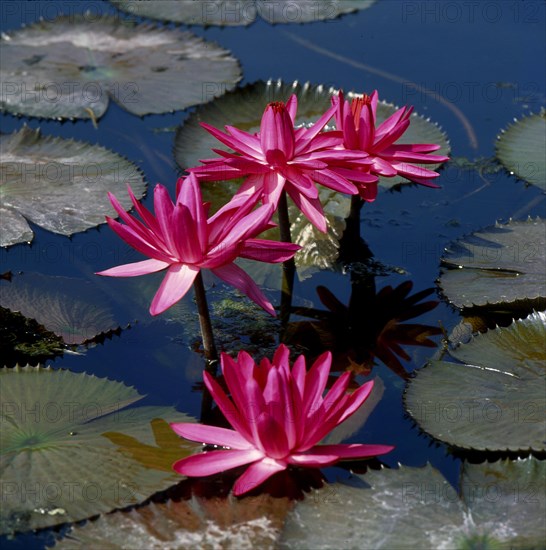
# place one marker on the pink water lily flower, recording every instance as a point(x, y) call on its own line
point(279, 415)
point(357, 120)
point(281, 157)
point(180, 239)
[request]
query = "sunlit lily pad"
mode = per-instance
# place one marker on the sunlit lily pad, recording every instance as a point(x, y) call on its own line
point(73, 309)
point(59, 184)
point(243, 108)
point(495, 399)
point(503, 264)
point(521, 149)
point(409, 508)
point(252, 522)
point(72, 66)
point(240, 12)
point(56, 463)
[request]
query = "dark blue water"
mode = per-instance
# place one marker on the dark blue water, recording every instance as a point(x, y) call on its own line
point(482, 58)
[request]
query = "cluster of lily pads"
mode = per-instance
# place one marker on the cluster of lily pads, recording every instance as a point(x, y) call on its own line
point(489, 396)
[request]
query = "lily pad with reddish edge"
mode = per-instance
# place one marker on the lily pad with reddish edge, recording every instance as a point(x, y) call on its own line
point(253, 522)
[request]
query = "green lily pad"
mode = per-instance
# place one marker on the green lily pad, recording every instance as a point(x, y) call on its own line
point(244, 107)
point(503, 264)
point(495, 399)
point(72, 66)
point(59, 184)
point(73, 309)
point(229, 13)
point(253, 522)
point(57, 462)
point(521, 147)
point(417, 508)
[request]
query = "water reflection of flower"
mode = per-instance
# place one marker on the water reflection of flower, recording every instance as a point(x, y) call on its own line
point(371, 326)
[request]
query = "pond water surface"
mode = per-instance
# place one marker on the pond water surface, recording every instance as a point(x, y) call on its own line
point(482, 58)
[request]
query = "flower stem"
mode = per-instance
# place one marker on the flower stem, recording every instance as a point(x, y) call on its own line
point(288, 266)
point(211, 355)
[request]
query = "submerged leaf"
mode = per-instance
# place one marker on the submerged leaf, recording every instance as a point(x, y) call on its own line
point(56, 464)
point(504, 264)
point(59, 184)
point(72, 66)
point(23, 340)
point(411, 508)
point(521, 149)
point(240, 12)
point(495, 399)
point(73, 309)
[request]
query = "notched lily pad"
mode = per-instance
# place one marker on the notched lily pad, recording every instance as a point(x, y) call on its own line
point(521, 147)
point(73, 309)
point(72, 66)
point(503, 264)
point(244, 107)
point(240, 12)
point(495, 399)
point(59, 184)
point(56, 462)
point(417, 508)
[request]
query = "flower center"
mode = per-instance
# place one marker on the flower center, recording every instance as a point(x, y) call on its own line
point(277, 106)
point(356, 107)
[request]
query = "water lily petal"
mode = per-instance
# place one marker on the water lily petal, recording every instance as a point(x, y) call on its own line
point(315, 383)
point(213, 462)
point(135, 269)
point(138, 227)
point(330, 178)
point(262, 250)
point(256, 474)
point(185, 237)
point(312, 208)
point(164, 209)
point(292, 107)
point(235, 276)
point(272, 435)
point(189, 194)
point(211, 435)
point(238, 144)
point(277, 130)
point(148, 248)
point(313, 460)
point(350, 451)
point(175, 284)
